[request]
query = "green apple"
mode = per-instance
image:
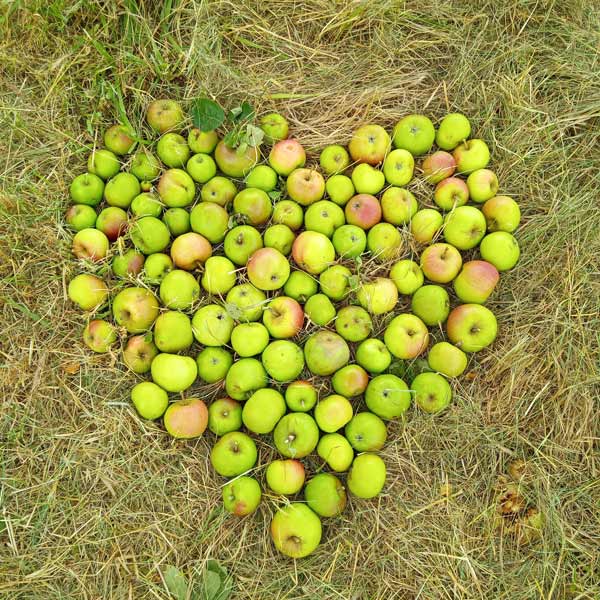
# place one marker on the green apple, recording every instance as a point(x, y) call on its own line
point(296, 435)
point(471, 155)
point(296, 530)
point(349, 241)
point(149, 400)
point(249, 339)
point(103, 163)
point(379, 296)
point(241, 242)
point(305, 186)
point(80, 216)
point(232, 162)
point(280, 237)
point(130, 263)
point(372, 354)
point(483, 185)
point(268, 269)
point(450, 193)
point(407, 276)
point(369, 144)
point(179, 290)
point(287, 155)
point(283, 360)
point(275, 127)
point(190, 251)
point(476, 281)
point(432, 392)
point(262, 410)
point(326, 352)
point(334, 159)
point(224, 416)
point(135, 308)
point(146, 204)
point(414, 133)
point(353, 323)
point(300, 286)
point(501, 213)
point(87, 291)
point(332, 413)
point(406, 336)
point(173, 332)
point(90, 244)
point(201, 167)
point(112, 222)
point(398, 167)
point(254, 205)
point(177, 220)
point(334, 281)
point(219, 275)
point(363, 210)
point(326, 495)
point(262, 177)
point(233, 454)
point(319, 309)
point(212, 326)
point(438, 166)
point(431, 304)
point(173, 372)
point(121, 189)
point(145, 166)
point(441, 263)
point(447, 359)
point(425, 224)
point(244, 377)
point(99, 335)
point(285, 477)
point(288, 212)
point(387, 396)
point(500, 249)
point(324, 216)
point(366, 432)
point(471, 327)
point(118, 139)
point(176, 188)
point(202, 141)
point(186, 419)
point(336, 451)
point(139, 353)
point(367, 179)
point(384, 241)
point(367, 476)
point(87, 189)
point(300, 396)
point(313, 252)
point(219, 190)
point(173, 150)
point(398, 205)
point(164, 115)
point(242, 496)
point(283, 317)
point(340, 189)
point(213, 364)
point(454, 129)
point(464, 227)
point(246, 302)
point(149, 235)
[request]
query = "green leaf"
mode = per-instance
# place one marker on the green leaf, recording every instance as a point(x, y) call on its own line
point(275, 195)
point(211, 585)
point(241, 149)
point(254, 135)
point(232, 138)
point(242, 113)
point(225, 581)
point(207, 114)
point(176, 582)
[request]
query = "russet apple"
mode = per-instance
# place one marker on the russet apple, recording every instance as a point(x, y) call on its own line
point(406, 336)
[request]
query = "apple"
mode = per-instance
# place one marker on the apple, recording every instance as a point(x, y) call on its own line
point(99, 335)
point(262, 410)
point(164, 115)
point(349, 241)
point(121, 189)
point(296, 435)
point(372, 354)
point(287, 155)
point(190, 250)
point(325, 495)
point(202, 141)
point(283, 317)
point(353, 323)
point(313, 252)
point(296, 530)
point(366, 432)
point(350, 381)
point(288, 212)
point(483, 185)
point(130, 263)
point(406, 336)
point(283, 360)
point(103, 163)
point(146, 205)
point(334, 281)
point(233, 454)
point(173, 150)
point(87, 189)
point(186, 419)
point(201, 167)
point(224, 416)
point(476, 281)
point(139, 353)
point(340, 189)
point(280, 237)
point(219, 275)
point(369, 144)
point(450, 193)
point(367, 179)
point(447, 359)
point(176, 188)
point(173, 372)
point(179, 290)
point(112, 222)
point(398, 167)
point(326, 352)
point(87, 291)
point(324, 216)
point(254, 205)
point(454, 129)
point(432, 392)
point(145, 166)
point(367, 476)
point(438, 166)
point(414, 133)
point(219, 190)
point(425, 224)
point(173, 332)
point(407, 276)
point(241, 496)
point(332, 413)
point(431, 304)
point(149, 235)
point(285, 477)
point(241, 242)
point(212, 325)
point(300, 396)
point(384, 241)
point(300, 286)
point(387, 396)
point(246, 301)
point(334, 159)
point(249, 339)
point(499, 248)
point(319, 309)
point(471, 327)
point(464, 227)
point(471, 155)
point(379, 296)
point(262, 177)
point(441, 263)
point(268, 269)
point(363, 210)
point(149, 400)
point(336, 451)
point(244, 377)
point(156, 266)
point(177, 221)
point(501, 213)
point(275, 127)
point(398, 205)
point(234, 163)
point(90, 244)
point(213, 364)
point(80, 216)
point(305, 186)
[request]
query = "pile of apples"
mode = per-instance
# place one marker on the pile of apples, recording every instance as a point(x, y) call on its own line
point(282, 292)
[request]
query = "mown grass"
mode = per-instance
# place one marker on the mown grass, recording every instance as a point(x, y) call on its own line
point(94, 503)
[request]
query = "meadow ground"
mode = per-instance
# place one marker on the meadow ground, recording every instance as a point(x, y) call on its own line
point(94, 503)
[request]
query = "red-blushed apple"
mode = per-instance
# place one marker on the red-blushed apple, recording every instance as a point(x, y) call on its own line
point(363, 210)
point(224, 415)
point(176, 188)
point(369, 144)
point(398, 205)
point(149, 400)
point(350, 381)
point(332, 413)
point(190, 250)
point(99, 335)
point(464, 227)
point(398, 167)
point(164, 115)
point(300, 396)
point(501, 213)
point(296, 435)
point(447, 359)
point(80, 216)
point(483, 185)
point(501, 249)
point(233, 163)
point(139, 352)
point(241, 242)
point(254, 205)
point(135, 308)
point(406, 336)
point(268, 269)
point(438, 166)
point(432, 392)
point(233, 454)
point(202, 141)
point(425, 225)
point(336, 451)
point(476, 281)
point(367, 476)
point(283, 317)
point(87, 291)
point(454, 129)
point(441, 263)
point(313, 252)
point(262, 410)
point(334, 159)
point(326, 352)
point(186, 419)
point(242, 496)
point(431, 304)
point(384, 242)
point(128, 264)
point(414, 133)
point(112, 222)
point(387, 396)
point(450, 193)
point(326, 495)
point(471, 155)
point(285, 477)
point(353, 323)
point(173, 372)
point(296, 530)
point(471, 327)
point(366, 432)
point(407, 276)
point(305, 186)
point(90, 244)
point(219, 190)
point(287, 155)
point(373, 355)
point(379, 296)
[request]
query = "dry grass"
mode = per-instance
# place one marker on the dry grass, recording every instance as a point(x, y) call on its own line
point(94, 502)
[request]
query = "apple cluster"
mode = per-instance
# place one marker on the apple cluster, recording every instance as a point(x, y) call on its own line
point(281, 292)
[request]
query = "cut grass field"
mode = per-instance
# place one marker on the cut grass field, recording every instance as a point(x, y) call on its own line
point(94, 502)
